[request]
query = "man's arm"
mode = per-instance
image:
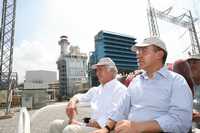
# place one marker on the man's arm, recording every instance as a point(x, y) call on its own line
point(74, 99)
point(179, 116)
point(126, 126)
point(71, 109)
point(109, 127)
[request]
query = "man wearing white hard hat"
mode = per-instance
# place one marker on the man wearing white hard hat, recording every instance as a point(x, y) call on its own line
point(158, 100)
point(103, 99)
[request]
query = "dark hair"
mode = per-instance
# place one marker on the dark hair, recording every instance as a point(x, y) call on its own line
point(156, 48)
point(182, 67)
point(164, 57)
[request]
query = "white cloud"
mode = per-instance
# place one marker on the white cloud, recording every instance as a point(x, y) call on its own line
point(82, 20)
point(34, 56)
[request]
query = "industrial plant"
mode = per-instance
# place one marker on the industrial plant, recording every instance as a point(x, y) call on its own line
point(72, 67)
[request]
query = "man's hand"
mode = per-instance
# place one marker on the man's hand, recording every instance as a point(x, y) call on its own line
point(125, 126)
point(102, 130)
point(75, 122)
point(71, 111)
point(196, 116)
point(93, 123)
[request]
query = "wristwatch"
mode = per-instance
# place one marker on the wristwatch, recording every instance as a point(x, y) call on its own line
point(108, 128)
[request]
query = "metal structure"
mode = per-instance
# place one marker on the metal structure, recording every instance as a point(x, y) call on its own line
point(8, 79)
point(185, 20)
point(11, 87)
point(152, 21)
point(6, 42)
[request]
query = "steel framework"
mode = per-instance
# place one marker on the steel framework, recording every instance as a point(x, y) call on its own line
point(6, 42)
point(152, 21)
point(179, 20)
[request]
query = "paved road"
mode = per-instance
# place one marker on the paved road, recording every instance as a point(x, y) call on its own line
point(41, 118)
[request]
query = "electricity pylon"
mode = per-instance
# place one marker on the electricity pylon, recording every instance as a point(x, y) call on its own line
point(7, 30)
point(179, 20)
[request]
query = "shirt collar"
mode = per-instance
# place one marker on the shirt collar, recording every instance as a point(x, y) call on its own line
point(162, 72)
point(108, 83)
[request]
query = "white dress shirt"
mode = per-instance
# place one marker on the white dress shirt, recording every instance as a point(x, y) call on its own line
point(103, 99)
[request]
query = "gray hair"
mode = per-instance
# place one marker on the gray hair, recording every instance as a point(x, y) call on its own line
point(112, 69)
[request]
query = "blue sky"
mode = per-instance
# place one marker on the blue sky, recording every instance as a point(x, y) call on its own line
point(40, 23)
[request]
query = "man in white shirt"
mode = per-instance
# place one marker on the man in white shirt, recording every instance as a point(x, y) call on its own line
point(103, 99)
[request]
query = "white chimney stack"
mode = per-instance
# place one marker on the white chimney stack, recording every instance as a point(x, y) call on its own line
point(64, 45)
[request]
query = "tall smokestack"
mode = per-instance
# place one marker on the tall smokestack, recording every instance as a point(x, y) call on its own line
point(64, 45)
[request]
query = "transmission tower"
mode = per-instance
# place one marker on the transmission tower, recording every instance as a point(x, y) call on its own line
point(6, 42)
point(8, 79)
point(181, 21)
point(152, 21)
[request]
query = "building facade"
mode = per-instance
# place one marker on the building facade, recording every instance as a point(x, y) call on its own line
point(39, 79)
point(117, 47)
point(36, 85)
point(72, 66)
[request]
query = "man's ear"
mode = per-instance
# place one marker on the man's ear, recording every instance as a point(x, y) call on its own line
point(160, 54)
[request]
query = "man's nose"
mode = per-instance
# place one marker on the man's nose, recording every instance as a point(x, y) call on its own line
point(139, 55)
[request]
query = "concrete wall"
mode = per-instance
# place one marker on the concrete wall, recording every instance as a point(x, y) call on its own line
point(39, 97)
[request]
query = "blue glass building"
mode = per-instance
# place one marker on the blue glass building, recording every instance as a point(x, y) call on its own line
point(117, 47)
